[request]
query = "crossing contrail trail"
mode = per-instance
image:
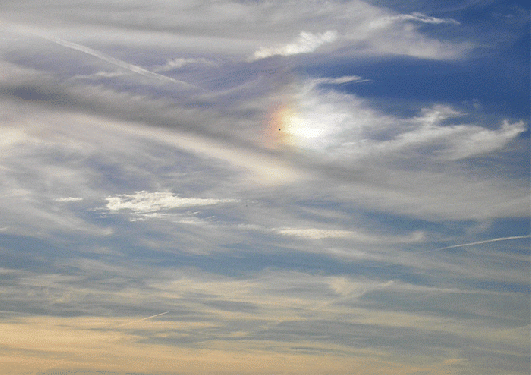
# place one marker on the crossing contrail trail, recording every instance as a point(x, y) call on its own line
point(114, 61)
point(141, 320)
point(486, 241)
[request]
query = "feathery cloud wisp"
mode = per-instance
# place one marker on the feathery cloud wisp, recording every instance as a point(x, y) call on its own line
point(141, 320)
point(69, 199)
point(179, 62)
point(416, 16)
point(305, 43)
point(145, 202)
point(486, 241)
point(117, 62)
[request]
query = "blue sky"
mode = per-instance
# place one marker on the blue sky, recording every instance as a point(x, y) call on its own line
point(222, 187)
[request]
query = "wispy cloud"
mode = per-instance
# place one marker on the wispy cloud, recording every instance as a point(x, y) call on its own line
point(68, 199)
point(319, 234)
point(144, 202)
point(141, 320)
point(305, 43)
point(341, 80)
point(116, 62)
point(345, 126)
point(486, 241)
point(416, 17)
point(180, 62)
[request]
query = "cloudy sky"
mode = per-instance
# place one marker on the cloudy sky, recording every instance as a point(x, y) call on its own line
point(264, 187)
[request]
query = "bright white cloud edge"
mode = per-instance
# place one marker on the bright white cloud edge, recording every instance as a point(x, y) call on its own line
point(147, 202)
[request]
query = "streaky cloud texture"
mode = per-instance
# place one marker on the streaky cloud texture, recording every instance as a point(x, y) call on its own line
point(305, 43)
point(264, 187)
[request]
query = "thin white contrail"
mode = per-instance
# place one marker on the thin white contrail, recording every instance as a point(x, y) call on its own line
point(486, 241)
point(141, 320)
point(119, 63)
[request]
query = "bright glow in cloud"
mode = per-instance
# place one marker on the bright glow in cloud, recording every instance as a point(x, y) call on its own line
point(344, 127)
point(302, 122)
point(305, 43)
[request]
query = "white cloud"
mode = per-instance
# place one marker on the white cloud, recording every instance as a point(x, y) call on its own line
point(416, 16)
point(486, 241)
point(469, 141)
point(243, 28)
point(315, 234)
point(144, 202)
point(319, 234)
point(102, 74)
point(179, 62)
point(405, 165)
point(340, 80)
point(305, 43)
point(13, 136)
point(444, 142)
point(342, 126)
point(68, 199)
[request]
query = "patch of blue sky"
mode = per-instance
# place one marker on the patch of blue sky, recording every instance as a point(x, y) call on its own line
point(494, 76)
point(516, 226)
point(485, 83)
point(30, 253)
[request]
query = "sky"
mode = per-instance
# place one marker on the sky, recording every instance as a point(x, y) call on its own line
point(264, 187)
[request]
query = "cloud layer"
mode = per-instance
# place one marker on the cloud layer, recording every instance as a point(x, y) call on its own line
point(264, 187)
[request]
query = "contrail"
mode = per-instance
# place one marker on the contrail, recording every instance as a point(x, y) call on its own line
point(486, 241)
point(141, 320)
point(119, 63)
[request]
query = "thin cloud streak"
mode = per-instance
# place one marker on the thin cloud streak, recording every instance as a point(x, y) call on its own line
point(419, 17)
point(68, 199)
point(305, 43)
point(114, 61)
point(141, 320)
point(486, 241)
point(145, 202)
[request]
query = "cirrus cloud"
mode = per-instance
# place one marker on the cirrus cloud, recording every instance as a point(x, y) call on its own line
point(305, 43)
point(146, 202)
